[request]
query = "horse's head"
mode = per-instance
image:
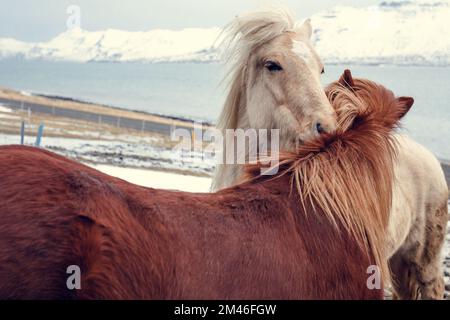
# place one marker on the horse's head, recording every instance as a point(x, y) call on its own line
point(350, 96)
point(276, 83)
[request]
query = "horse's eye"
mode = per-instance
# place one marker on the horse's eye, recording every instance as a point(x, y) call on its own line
point(272, 66)
point(323, 71)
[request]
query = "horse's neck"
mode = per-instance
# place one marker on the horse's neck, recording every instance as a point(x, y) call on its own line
point(227, 175)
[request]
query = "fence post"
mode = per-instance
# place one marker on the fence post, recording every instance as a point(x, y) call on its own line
point(22, 133)
point(39, 135)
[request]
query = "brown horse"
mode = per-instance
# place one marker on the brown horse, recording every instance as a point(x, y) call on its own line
point(257, 240)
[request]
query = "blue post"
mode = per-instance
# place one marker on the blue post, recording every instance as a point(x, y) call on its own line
point(22, 133)
point(39, 135)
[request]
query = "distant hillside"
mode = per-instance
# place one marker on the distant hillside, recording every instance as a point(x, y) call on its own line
point(408, 32)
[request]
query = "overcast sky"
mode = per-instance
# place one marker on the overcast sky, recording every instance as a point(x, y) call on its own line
point(39, 20)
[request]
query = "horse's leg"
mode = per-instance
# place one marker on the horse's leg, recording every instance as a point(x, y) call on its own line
point(416, 268)
point(429, 267)
point(403, 237)
point(404, 282)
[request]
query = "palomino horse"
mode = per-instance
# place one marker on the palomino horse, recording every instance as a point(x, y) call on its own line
point(274, 84)
point(418, 220)
point(310, 232)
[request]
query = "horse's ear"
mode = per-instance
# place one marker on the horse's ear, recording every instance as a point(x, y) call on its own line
point(346, 79)
point(404, 104)
point(305, 29)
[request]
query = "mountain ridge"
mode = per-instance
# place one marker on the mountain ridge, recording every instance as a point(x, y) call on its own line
point(413, 32)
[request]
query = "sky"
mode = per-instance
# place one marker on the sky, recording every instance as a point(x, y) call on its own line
point(41, 20)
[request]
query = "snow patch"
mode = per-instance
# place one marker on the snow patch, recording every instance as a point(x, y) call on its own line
point(157, 179)
point(5, 109)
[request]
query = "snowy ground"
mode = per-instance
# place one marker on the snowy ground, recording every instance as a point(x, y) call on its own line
point(157, 179)
point(5, 109)
point(103, 144)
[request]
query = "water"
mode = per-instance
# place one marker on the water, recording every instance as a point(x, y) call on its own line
point(193, 90)
point(188, 90)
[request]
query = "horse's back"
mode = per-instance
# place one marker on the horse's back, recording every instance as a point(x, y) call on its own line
point(55, 213)
point(28, 199)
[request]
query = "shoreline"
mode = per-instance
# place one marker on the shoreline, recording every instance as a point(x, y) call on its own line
point(93, 112)
point(77, 100)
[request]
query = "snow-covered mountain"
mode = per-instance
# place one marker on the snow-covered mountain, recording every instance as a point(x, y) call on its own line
point(398, 32)
point(394, 32)
point(192, 44)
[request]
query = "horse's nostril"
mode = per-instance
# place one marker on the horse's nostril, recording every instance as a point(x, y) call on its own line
point(319, 128)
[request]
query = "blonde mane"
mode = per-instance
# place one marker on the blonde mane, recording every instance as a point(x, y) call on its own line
point(242, 36)
point(348, 175)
